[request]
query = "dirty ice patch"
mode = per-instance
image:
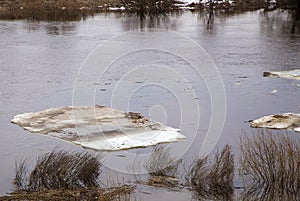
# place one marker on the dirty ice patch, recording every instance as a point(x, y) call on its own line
point(292, 74)
point(98, 127)
point(289, 121)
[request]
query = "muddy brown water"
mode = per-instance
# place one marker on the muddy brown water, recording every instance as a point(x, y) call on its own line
point(40, 60)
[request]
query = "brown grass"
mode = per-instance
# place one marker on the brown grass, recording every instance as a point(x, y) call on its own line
point(162, 169)
point(59, 170)
point(270, 166)
point(121, 193)
point(161, 163)
point(212, 177)
point(47, 9)
point(61, 175)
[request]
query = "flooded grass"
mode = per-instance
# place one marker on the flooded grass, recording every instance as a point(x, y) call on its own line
point(60, 175)
point(161, 163)
point(59, 170)
point(121, 193)
point(212, 177)
point(270, 166)
point(162, 168)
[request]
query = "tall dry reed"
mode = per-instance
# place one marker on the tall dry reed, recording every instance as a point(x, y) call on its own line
point(270, 166)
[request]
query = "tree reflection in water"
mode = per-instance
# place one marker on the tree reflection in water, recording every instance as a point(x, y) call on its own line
point(163, 21)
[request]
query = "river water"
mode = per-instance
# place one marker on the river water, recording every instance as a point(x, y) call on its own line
point(40, 63)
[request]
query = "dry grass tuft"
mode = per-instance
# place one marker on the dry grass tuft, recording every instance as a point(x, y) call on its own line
point(270, 166)
point(121, 193)
point(161, 163)
point(60, 175)
point(59, 170)
point(20, 179)
point(212, 179)
point(162, 169)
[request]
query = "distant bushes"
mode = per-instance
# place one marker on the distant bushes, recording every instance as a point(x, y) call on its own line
point(47, 9)
point(77, 9)
point(149, 7)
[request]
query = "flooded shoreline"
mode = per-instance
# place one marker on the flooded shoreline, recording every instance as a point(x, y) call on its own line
point(41, 59)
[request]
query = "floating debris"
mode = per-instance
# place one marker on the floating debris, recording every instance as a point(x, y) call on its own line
point(274, 91)
point(98, 127)
point(292, 74)
point(238, 83)
point(289, 121)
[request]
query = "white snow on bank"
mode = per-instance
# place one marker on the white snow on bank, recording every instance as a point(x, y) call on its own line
point(99, 128)
point(203, 1)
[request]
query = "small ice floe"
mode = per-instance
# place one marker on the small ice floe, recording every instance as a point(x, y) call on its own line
point(98, 127)
point(289, 121)
point(292, 74)
point(238, 83)
point(274, 91)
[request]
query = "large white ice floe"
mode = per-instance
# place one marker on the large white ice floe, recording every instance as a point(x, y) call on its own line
point(98, 127)
point(289, 121)
point(292, 74)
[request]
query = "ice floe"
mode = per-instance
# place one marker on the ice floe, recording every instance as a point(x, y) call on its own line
point(98, 127)
point(292, 74)
point(289, 121)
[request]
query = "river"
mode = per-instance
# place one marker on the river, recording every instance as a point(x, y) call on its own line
point(40, 63)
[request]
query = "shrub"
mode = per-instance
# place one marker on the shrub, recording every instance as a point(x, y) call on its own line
point(270, 166)
point(212, 178)
point(59, 170)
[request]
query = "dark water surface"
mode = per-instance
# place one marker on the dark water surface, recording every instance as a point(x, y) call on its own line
point(40, 60)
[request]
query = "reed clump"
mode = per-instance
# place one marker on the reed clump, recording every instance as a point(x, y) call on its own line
point(162, 168)
point(59, 170)
point(61, 175)
point(161, 163)
point(211, 177)
point(270, 166)
point(120, 193)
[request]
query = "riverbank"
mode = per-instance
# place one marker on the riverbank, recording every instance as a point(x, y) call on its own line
point(64, 10)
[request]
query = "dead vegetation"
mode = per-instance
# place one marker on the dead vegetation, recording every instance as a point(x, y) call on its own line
point(121, 193)
point(47, 9)
point(60, 175)
point(212, 177)
point(59, 170)
point(270, 166)
point(162, 168)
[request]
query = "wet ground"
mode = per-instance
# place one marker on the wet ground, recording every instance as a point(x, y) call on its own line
point(40, 60)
